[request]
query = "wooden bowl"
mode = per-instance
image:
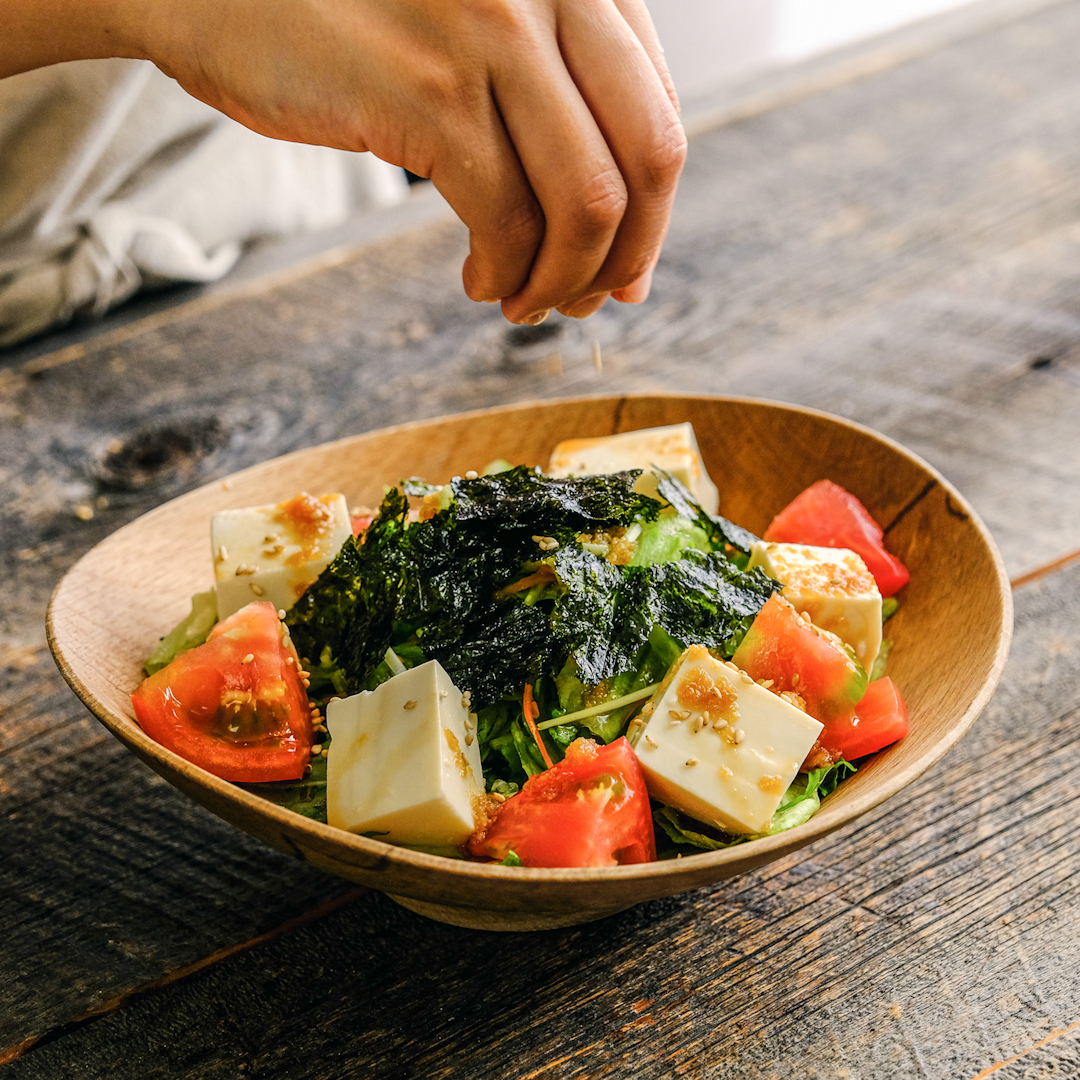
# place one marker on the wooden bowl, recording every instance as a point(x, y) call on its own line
point(951, 634)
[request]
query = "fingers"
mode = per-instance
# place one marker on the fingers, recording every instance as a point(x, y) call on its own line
point(480, 175)
point(625, 92)
point(640, 21)
point(570, 169)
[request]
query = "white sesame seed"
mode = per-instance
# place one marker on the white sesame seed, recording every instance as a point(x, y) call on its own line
point(498, 796)
point(290, 660)
point(691, 761)
point(444, 694)
point(410, 704)
point(281, 613)
point(243, 571)
point(679, 714)
point(317, 748)
point(258, 590)
point(766, 683)
point(795, 679)
point(739, 736)
point(720, 723)
point(223, 553)
point(537, 539)
point(247, 659)
point(325, 751)
point(745, 679)
point(471, 474)
point(699, 723)
point(651, 741)
point(469, 738)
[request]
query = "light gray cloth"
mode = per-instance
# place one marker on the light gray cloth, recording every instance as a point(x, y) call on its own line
point(113, 178)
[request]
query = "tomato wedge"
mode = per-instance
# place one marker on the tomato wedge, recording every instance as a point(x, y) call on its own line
point(880, 719)
point(591, 809)
point(785, 649)
point(236, 705)
point(825, 515)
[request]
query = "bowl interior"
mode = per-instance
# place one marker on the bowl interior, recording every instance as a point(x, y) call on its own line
point(950, 635)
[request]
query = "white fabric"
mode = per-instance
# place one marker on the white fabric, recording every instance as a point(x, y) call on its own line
point(113, 178)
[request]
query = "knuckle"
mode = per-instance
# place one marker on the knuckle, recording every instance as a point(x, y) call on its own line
point(601, 208)
point(521, 227)
point(661, 165)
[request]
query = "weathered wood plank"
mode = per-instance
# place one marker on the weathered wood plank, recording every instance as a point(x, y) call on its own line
point(898, 250)
point(934, 938)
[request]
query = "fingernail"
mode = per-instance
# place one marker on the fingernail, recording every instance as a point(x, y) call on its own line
point(537, 319)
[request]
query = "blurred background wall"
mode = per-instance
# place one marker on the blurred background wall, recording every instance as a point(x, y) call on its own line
point(709, 42)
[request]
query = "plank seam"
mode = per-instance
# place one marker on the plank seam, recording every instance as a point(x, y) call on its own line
point(35, 1042)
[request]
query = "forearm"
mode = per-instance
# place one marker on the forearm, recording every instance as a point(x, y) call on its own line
point(36, 33)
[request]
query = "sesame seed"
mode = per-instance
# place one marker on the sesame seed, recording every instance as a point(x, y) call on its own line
point(745, 679)
point(725, 771)
point(84, 511)
point(303, 674)
point(223, 553)
point(443, 694)
point(281, 613)
point(325, 751)
point(271, 539)
point(317, 748)
point(699, 723)
point(679, 714)
point(651, 741)
point(766, 683)
point(258, 590)
point(469, 738)
point(247, 659)
point(410, 704)
point(795, 679)
point(720, 723)
point(739, 736)
point(291, 660)
point(471, 474)
point(243, 571)
point(498, 796)
point(691, 761)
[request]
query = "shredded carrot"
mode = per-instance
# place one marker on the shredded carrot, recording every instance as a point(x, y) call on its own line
point(532, 714)
point(539, 577)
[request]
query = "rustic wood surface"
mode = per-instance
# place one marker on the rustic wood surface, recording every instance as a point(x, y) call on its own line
point(904, 250)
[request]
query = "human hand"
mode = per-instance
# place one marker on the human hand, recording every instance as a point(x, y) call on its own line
point(550, 126)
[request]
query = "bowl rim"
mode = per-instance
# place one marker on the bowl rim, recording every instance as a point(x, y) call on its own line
point(373, 851)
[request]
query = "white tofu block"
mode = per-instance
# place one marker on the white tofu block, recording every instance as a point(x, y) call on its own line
point(275, 552)
point(674, 449)
point(834, 589)
point(404, 761)
point(719, 747)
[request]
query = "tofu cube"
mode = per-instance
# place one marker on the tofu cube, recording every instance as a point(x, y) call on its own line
point(275, 552)
point(832, 587)
point(404, 761)
point(719, 747)
point(674, 449)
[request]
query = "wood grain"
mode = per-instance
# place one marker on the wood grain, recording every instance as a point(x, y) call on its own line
point(901, 250)
point(936, 937)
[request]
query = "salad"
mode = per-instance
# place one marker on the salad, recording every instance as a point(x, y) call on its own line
point(586, 666)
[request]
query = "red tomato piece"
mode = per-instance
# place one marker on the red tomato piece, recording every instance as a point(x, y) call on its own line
point(801, 658)
point(825, 515)
point(360, 524)
point(591, 809)
point(880, 719)
point(236, 705)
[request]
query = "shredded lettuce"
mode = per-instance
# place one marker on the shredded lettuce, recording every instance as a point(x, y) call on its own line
point(800, 802)
point(189, 633)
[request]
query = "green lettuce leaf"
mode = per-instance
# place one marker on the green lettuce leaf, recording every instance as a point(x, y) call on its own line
point(187, 634)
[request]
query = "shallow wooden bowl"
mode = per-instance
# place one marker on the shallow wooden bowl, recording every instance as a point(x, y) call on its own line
point(951, 634)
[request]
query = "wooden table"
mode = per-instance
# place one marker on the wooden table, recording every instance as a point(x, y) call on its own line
point(902, 248)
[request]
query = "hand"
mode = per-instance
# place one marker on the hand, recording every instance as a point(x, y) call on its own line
point(550, 126)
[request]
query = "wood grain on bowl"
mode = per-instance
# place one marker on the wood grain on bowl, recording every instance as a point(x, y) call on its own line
point(951, 634)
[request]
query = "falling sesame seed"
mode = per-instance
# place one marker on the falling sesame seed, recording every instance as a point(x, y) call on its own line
point(258, 590)
point(651, 741)
point(223, 553)
point(691, 761)
point(84, 511)
point(247, 659)
point(472, 474)
point(410, 704)
point(739, 736)
point(597, 358)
